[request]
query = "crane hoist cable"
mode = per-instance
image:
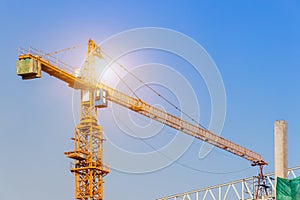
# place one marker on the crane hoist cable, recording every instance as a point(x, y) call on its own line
point(180, 163)
point(151, 146)
point(153, 90)
point(121, 79)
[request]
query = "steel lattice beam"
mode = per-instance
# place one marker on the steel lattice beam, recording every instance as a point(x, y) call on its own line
point(243, 189)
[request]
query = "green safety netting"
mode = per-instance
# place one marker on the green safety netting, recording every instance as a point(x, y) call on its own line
point(288, 189)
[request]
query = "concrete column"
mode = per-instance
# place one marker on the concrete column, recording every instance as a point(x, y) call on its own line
point(280, 149)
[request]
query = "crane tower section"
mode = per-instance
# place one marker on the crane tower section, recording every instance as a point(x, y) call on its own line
point(88, 166)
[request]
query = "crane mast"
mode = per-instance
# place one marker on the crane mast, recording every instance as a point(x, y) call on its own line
point(88, 166)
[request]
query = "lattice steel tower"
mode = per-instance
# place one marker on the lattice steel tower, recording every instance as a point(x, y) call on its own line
point(88, 166)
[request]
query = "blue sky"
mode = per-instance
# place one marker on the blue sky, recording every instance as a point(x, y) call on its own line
point(255, 45)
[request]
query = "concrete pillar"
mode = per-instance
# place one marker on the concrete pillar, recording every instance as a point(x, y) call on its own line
point(280, 149)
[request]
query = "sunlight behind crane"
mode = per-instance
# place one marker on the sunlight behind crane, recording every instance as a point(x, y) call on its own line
point(108, 72)
point(107, 76)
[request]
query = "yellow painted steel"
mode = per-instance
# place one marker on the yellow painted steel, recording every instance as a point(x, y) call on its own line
point(89, 168)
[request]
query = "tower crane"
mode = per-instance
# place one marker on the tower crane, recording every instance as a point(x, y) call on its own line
point(88, 167)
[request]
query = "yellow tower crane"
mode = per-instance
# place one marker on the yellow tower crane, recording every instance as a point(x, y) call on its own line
point(88, 168)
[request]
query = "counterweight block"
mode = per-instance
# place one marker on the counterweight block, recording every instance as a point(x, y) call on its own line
point(28, 68)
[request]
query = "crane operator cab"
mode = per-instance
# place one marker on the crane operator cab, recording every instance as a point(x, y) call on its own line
point(28, 68)
point(101, 98)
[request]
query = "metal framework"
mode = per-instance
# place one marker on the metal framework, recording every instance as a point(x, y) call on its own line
point(244, 189)
point(88, 168)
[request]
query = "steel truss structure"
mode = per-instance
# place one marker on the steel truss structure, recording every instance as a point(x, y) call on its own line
point(243, 189)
